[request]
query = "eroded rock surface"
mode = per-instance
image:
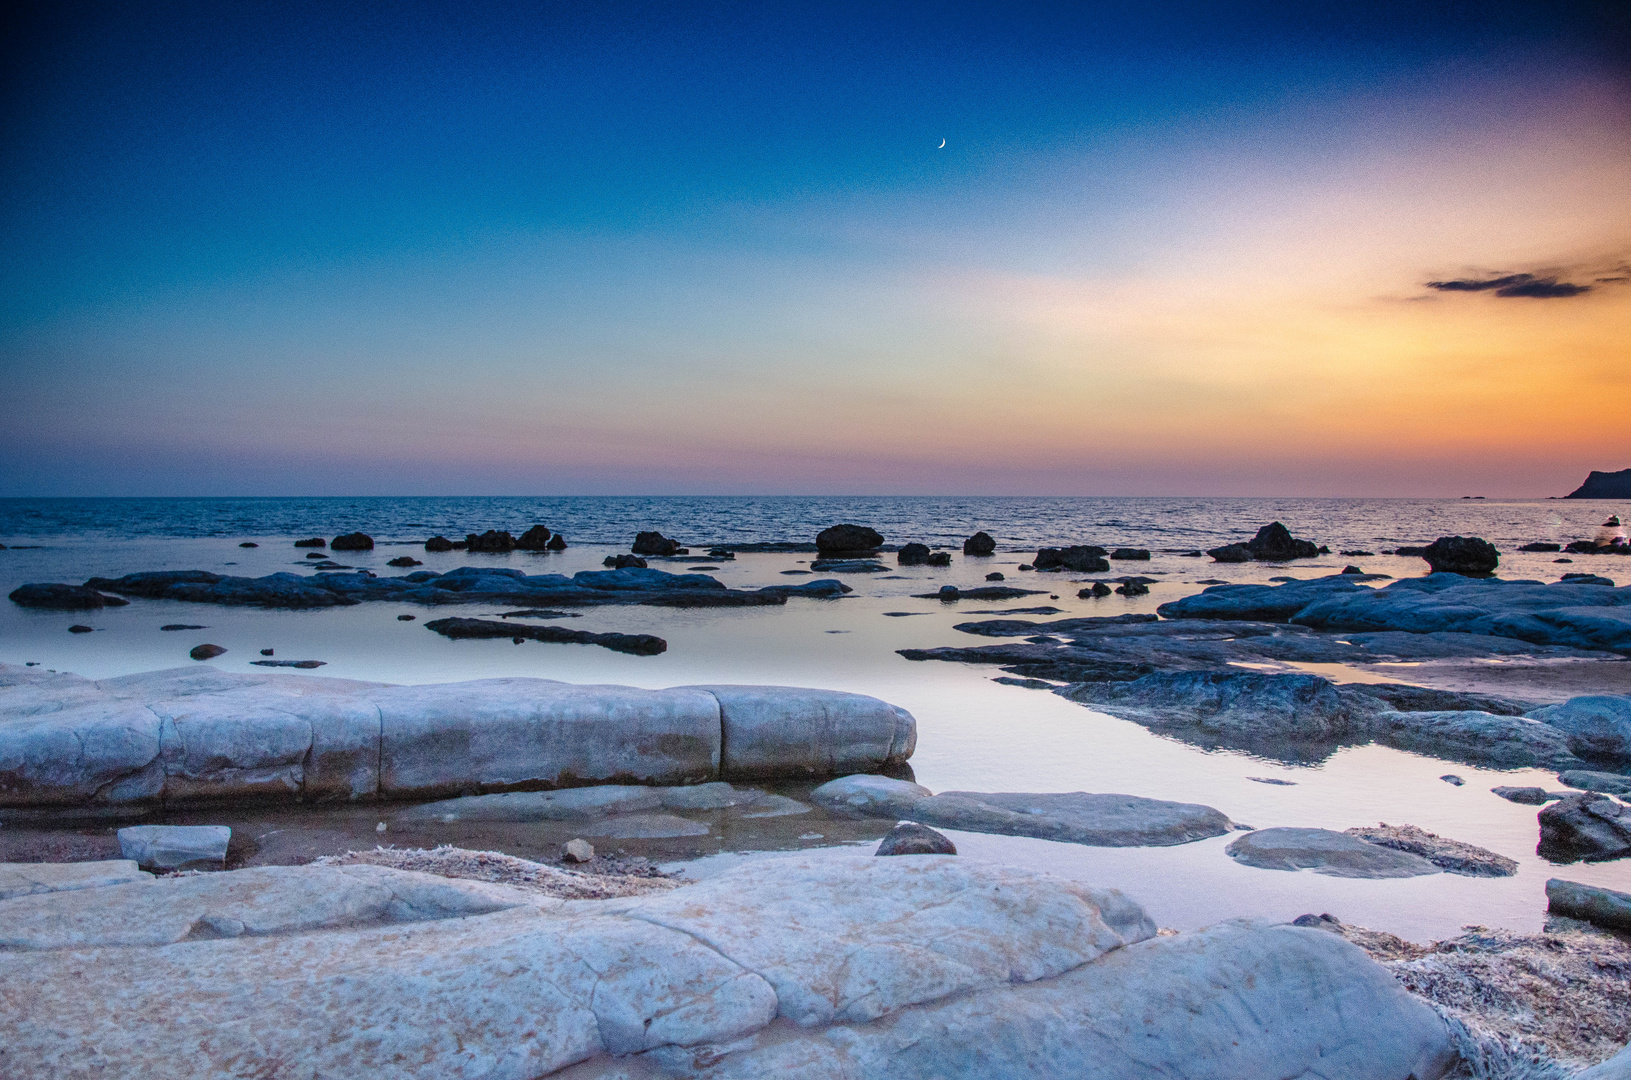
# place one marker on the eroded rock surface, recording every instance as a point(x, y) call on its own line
point(1326, 852)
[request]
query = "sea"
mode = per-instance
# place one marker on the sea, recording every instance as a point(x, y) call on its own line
point(973, 734)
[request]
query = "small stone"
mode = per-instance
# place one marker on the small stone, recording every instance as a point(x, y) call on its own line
point(910, 838)
point(949, 592)
point(315, 555)
point(266, 652)
point(578, 851)
point(1352, 570)
point(182, 626)
point(995, 575)
point(248, 544)
point(1452, 778)
point(175, 847)
point(205, 652)
point(380, 827)
point(80, 628)
point(405, 618)
point(1098, 588)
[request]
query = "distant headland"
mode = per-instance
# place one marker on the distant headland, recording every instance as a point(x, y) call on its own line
point(1604, 485)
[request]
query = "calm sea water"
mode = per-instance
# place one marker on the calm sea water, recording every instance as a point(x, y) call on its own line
point(974, 734)
point(1017, 523)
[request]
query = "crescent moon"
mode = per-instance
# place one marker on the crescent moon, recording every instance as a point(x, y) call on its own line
point(942, 145)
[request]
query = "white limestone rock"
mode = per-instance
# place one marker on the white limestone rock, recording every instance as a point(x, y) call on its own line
point(175, 847)
point(779, 731)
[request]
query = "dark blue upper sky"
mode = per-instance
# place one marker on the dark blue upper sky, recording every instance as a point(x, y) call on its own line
point(157, 154)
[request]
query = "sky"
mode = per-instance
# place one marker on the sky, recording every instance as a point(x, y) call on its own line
point(672, 248)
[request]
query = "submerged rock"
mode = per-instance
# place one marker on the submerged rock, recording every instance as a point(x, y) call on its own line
point(56, 597)
point(845, 539)
point(1470, 555)
point(1593, 827)
point(1451, 855)
point(848, 566)
point(635, 644)
point(910, 838)
point(980, 544)
point(1326, 852)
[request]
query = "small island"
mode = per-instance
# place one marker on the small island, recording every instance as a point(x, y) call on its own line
point(1604, 485)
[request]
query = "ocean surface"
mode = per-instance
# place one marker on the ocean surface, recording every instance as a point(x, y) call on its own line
point(973, 734)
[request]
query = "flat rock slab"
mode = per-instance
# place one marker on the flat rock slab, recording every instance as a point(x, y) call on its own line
point(1326, 852)
point(1098, 820)
point(877, 968)
point(175, 847)
point(26, 879)
point(198, 734)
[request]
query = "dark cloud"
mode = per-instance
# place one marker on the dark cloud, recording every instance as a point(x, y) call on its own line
point(1532, 286)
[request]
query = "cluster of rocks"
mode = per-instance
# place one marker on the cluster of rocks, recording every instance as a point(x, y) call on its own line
point(634, 584)
point(1273, 543)
point(197, 734)
point(499, 541)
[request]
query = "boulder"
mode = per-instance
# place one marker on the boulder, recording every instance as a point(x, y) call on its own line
point(578, 851)
point(438, 543)
point(909, 838)
point(1597, 726)
point(353, 542)
point(175, 847)
point(1607, 908)
point(654, 543)
point(1135, 554)
point(1587, 780)
point(1333, 854)
point(980, 544)
point(1274, 543)
point(1470, 555)
point(1453, 856)
point(534, 539)
point(1593, 827)
point(493, 541)
point(938, 558)
point(313, 542)
point(1079, 558)
point(848, 538)
point(1231, 553)
point(913, 554)
point(57, 597)
point(624, 561)
point(556, 543)
point(205, 652)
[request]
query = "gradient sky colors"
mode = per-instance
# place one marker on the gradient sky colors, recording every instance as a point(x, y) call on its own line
point(678, 248)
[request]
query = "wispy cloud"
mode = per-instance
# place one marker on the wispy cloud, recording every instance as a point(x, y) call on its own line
point(1531, 286)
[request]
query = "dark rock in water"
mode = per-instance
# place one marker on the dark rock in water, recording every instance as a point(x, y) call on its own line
point(821, 589)
point(1540, 546)
point(995, 575)
point(938, 558)
point(980, 544)
point(493, 540)
point(556, 543)
point(1604, 485)
point(1231, 553)
point(1274, 543)
point(636, 644)
point(182, 626)
point(1470, 555)
point(654, 543)
point(353, 542)
point(1079, 558)
point(848, 538)
point(985, 592)
point(1357, 554)
point(1134, 554)
point(773, 547)
point(1132, 588)
point(289, 663)
point(205, 652)
point(317, 555)
point(623, 562)
point(1588, 780)
point(913, 555)
point(1025, 684)
point(1352, 570)
point(1607, 908)
point(950, 592)
point(266, 652)
point(534, 539)
point(1528, 796)
point(1272, 780)
point(1453, 779)
point(1593, 827)
point(249, 543)
point(1408, 550)
point(794, 573)
point(58, 597)
point(405, 618)
point(849, 566)
point(404, 560)
point(316, 541)
point(1098, 588)
point(910, 838)
point(438, 543)
point(80, 628)
point(1586, 579)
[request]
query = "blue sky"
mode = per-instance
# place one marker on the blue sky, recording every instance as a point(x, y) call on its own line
point(712, 248)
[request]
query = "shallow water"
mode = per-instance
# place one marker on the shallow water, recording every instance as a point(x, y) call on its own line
point(973, 734)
